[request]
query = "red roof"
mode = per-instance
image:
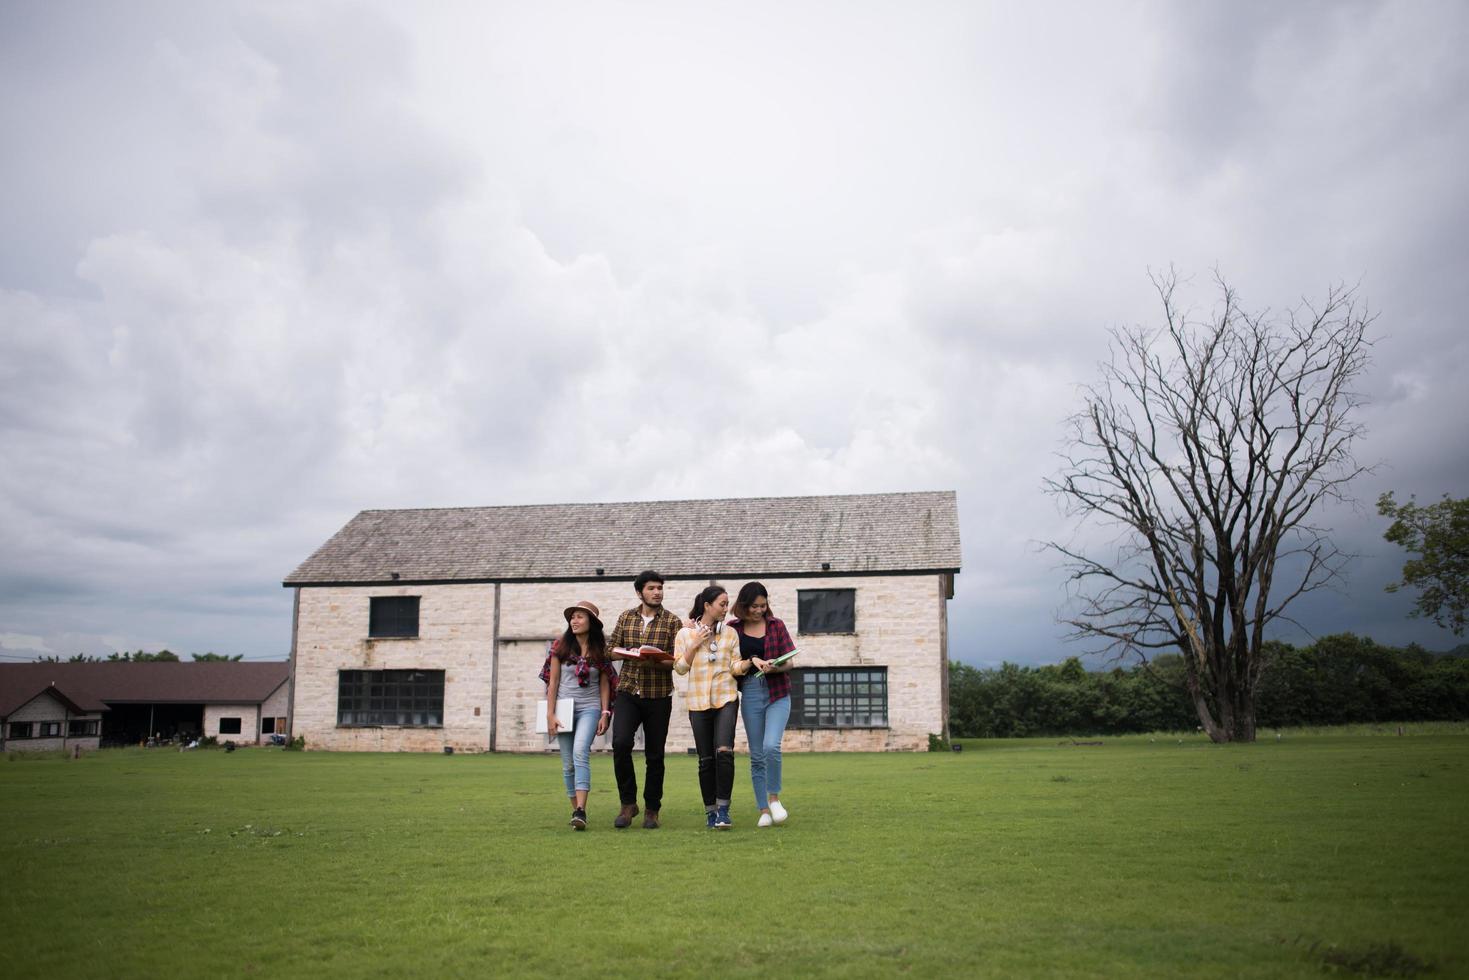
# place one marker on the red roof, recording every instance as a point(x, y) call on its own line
point(91, 686)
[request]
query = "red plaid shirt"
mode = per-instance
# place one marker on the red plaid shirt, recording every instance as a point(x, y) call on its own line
point(778, 643)
point(580, 666)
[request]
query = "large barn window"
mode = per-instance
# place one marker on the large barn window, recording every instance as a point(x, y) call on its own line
point(229, 726)
point(82, 726)
point(839, 697)
point(393, 615)
point(826, 610)
point(20, 729)
point(50, 729)
point(408, 698)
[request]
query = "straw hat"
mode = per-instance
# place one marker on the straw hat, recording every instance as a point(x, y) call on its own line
point(589, 608)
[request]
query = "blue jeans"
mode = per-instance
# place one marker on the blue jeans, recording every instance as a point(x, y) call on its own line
point(576, 749)
point(765, 724)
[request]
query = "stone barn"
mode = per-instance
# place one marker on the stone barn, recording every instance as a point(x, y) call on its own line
point(416, 630)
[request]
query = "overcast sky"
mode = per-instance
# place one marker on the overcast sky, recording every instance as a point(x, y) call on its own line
point(265, 265)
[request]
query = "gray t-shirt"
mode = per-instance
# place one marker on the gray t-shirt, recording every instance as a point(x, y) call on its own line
point(582, 697)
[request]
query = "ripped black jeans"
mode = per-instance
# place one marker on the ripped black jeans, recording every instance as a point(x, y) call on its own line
point(714, 732)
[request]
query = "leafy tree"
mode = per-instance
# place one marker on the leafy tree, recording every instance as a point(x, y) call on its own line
point(1439, 535)
point(1204, 452)
point(216, 657)
point(142, 656)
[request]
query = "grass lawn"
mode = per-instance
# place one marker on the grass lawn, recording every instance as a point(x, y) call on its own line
point(1137, 857)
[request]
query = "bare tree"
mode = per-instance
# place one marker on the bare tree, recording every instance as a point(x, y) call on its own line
point(1207, 445)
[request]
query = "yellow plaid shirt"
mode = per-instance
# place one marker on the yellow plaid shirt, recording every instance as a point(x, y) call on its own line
point(711, 683)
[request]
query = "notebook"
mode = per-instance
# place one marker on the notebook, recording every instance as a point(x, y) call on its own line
point(563, 715)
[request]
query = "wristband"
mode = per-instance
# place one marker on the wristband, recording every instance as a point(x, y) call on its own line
point(606, 711)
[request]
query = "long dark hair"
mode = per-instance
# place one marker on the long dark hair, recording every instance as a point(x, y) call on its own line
point(596, 642)
point(710, 593)
point(749, 592)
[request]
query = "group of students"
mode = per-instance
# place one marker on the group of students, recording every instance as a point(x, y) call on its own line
point(731, 667)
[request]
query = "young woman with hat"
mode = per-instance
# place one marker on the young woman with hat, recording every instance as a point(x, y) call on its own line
point(578, 668)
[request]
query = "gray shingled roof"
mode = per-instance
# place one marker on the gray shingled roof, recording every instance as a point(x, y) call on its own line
point(876, 532)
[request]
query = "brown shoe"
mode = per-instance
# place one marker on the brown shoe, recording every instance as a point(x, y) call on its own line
point(624, 819)
point(650, 820)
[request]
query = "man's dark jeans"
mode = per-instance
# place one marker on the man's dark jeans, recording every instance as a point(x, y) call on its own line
point(653, 715)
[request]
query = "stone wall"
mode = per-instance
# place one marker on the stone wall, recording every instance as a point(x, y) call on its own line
point(249, 715)
point(456, 624)
point(275, 707)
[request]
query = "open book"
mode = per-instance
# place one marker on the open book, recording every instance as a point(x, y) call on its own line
point(645, 652)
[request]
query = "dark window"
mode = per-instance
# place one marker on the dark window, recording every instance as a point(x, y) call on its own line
point(267, 725)
point(81, 727)
point(50, 729)
point(393, 615)
point(826, 611)
point(839, 697)
point(410, 698)
point(20, 729)
point(229, 726)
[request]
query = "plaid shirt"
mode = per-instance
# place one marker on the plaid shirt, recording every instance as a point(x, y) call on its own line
point(580, 666)
point(711, 683)
point(778, 643)
point(645, 680)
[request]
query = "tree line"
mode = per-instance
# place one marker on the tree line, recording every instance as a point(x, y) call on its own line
point(1342, 679)
point(143, 657)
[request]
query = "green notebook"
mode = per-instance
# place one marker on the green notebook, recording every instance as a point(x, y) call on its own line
point(780, 660)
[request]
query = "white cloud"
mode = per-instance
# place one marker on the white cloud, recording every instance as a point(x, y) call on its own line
point(285, 263)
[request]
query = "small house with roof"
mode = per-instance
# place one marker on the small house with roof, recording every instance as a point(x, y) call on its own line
point(417, 630)
point(51, 706)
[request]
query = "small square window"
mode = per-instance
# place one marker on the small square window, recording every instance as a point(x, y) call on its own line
point(50, 729)
point(826, 610)
point(393, 616)
point(229, 726)
point(267, 725)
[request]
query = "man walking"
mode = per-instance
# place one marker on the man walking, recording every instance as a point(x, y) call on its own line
point(644, 698)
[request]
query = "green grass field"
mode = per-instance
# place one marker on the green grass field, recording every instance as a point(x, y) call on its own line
point(1344, 853)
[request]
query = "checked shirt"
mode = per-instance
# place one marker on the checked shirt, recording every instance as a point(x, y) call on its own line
point(645, 680)
point(778, 643)
point(711, 682)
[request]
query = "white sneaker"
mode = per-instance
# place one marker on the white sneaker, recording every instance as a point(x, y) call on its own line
point(765, 820)
point(777, 812)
